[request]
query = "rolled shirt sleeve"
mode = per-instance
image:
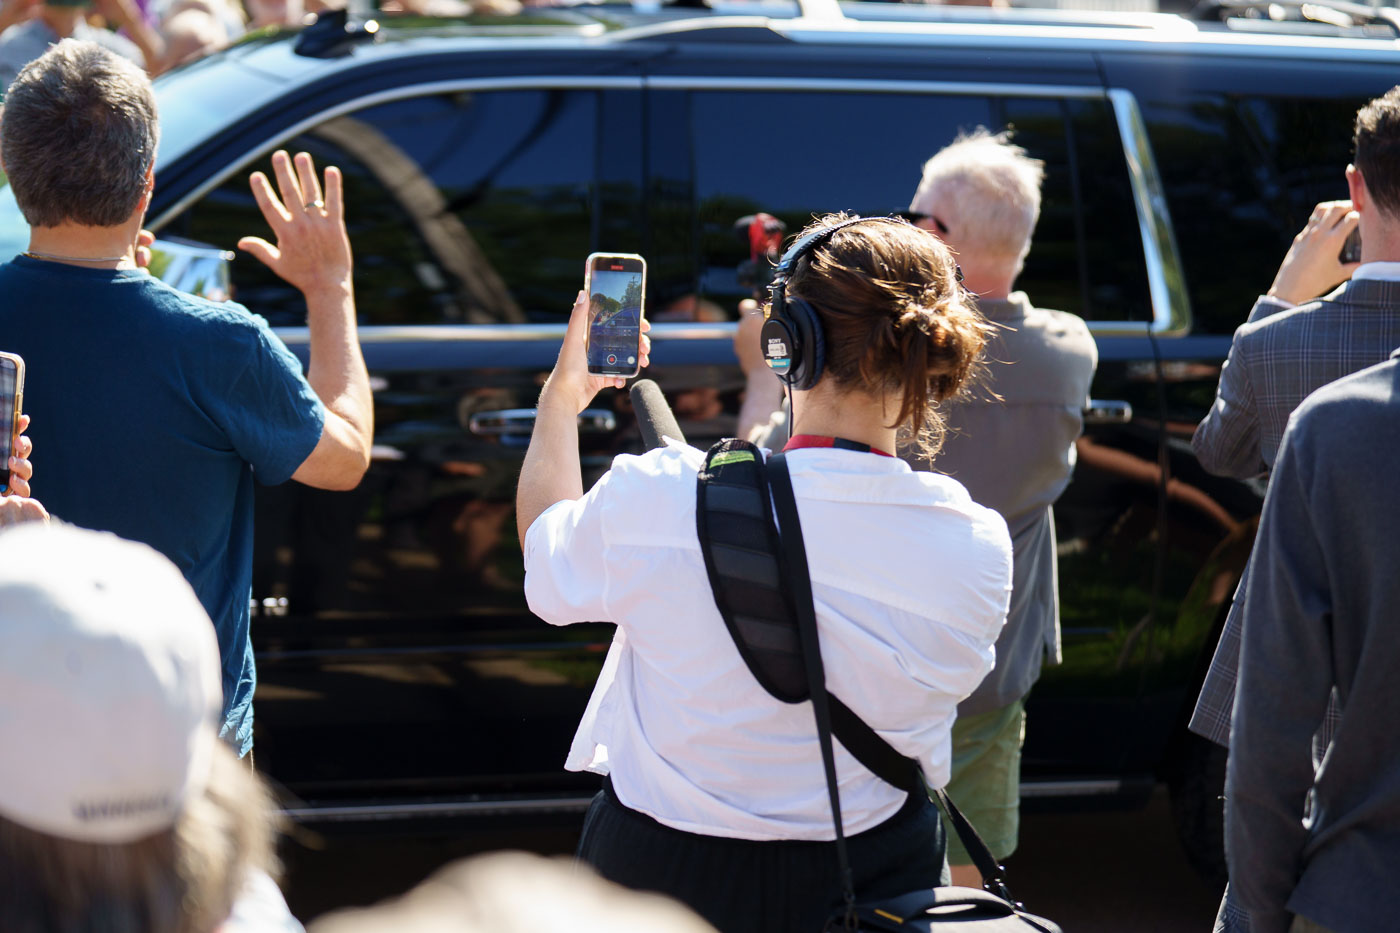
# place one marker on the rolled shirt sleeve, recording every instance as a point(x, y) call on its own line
point(566, 567)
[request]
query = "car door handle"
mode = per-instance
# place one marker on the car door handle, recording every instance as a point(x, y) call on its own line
point(517, 421)
point(1107, 412)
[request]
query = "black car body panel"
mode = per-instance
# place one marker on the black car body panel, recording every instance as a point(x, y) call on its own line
point(402, 677)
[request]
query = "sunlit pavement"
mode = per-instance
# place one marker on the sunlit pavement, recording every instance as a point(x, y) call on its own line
point(1112, 872)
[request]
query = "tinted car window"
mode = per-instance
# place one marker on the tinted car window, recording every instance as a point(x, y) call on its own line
point(1086, 256)
point(460, 207)
point(1242, 174)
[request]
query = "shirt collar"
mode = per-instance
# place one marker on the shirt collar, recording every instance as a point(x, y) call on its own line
point(836, 475)
point(1380, 271)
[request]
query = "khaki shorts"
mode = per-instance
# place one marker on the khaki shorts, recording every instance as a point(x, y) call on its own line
point(986, 783)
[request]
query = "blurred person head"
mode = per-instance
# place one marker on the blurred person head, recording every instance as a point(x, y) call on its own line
point(263, 13)
point(897, 324)
point(1374, 177)
point(63, 16)
point(120, 809)
point(516, 892)
point(78, 138)
point(981, 195)
point(190, 34)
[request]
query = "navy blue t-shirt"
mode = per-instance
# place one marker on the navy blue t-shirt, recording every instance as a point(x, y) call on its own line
point(153, 411)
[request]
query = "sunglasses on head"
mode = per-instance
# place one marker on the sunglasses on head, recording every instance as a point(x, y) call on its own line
point(918, 217)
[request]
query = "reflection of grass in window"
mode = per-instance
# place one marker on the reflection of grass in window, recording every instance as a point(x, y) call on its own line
point(1108, 589)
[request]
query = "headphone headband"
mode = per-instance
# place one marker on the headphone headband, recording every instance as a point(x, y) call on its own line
point(793, 343)
point(811, 241)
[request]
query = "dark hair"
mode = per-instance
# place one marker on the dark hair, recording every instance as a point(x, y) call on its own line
point(1377, 142)
point(78, 136)
point(895, 317)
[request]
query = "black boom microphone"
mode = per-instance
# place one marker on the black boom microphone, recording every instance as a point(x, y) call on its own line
point(654, 416)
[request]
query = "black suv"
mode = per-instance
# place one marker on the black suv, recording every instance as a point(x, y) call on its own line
point(402, 677)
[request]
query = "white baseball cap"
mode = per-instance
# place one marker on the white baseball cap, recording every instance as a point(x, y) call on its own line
point(109, 686)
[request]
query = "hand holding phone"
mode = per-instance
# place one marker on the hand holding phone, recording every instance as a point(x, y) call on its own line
point(1351, 249)
point(616, 284)
point(11, 401)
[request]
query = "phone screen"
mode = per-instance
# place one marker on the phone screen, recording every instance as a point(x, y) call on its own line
point(615, 286)
point(9, 388)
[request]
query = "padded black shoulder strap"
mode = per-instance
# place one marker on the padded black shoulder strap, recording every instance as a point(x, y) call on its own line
point(734, 518)
point(753, 586)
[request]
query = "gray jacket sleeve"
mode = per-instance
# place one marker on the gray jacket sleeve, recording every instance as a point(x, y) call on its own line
point(1227, 440)
point(1285, 679)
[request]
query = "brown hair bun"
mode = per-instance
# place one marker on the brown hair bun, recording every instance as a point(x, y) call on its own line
point(895, 317)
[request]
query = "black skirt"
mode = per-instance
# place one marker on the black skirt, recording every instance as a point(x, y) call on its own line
point(743, 886)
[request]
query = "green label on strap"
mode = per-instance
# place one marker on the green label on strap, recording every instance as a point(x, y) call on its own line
point(731, 456)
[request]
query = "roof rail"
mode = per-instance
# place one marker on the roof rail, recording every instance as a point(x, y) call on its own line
point(334, 33)
point(1311, 10)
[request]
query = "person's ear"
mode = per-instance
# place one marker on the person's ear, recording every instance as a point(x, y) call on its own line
point(149, 187)
point(1356, 185)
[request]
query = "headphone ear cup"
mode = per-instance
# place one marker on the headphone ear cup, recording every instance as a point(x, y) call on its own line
point(811, 341)
point(781, 349)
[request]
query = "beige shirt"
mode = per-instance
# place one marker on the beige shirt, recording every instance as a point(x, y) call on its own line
point(1016, 455)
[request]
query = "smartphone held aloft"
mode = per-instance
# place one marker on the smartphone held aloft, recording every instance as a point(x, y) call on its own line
point(11, 402)
point(616, 286)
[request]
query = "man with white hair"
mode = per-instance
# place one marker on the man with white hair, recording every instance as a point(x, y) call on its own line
point(120, 809)
point(1012, 446)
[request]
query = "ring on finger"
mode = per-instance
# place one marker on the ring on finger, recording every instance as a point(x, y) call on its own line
point(318, 204)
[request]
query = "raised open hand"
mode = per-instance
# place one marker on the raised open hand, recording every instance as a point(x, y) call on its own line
point(313, 249)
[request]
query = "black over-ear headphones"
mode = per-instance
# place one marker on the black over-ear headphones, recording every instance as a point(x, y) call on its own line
point(794, 345)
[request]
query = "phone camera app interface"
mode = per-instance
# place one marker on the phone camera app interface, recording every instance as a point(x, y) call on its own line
point(615, 319)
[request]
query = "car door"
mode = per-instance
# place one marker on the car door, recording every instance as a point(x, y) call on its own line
point(399, 667)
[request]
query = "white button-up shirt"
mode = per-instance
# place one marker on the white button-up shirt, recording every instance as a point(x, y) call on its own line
point(911, 581)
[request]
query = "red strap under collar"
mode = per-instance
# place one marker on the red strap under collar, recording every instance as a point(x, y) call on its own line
point(799, 441)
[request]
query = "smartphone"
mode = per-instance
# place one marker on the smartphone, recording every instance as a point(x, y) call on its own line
point(615, 283)
point(1351, 249)
point(11, 402)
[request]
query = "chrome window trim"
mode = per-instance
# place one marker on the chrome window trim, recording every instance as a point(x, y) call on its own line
point(1171, 307)
point(522, 83)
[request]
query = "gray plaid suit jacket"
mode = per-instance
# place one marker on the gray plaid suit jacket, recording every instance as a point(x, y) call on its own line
point(1279, 357)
